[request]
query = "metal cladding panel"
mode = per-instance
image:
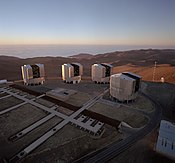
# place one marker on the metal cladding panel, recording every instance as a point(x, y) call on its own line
point(28, 66)
point(166, 139)
point(114, 86)
point(27, 74)
point(103, 72)
point(71, 71)
point(167, 129)
point(126, 87)
point(165, 125)
point(24, 73)
point(167, 134)
point(93, 72)
point(81, 70)
point(121, 87)
point(98, 72)
point(66, 71)
point(136, 77)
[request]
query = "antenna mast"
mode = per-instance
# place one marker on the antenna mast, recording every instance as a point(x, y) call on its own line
point(154, 71)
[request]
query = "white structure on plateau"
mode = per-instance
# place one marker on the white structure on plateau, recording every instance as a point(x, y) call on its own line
point(4, 81)
point(124, 86)
point(166, 139)
point(33, 74)
point(71, 73)
point(101, 72)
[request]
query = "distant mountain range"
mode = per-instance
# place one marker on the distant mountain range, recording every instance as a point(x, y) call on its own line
point(138, 61)
point(82, 56)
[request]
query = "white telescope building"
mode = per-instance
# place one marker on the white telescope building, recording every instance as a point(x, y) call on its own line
point(33, 74)
point(124, 86)
point(72, 72)
point(101, 72)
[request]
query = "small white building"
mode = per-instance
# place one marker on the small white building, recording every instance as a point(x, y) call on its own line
point(72, 72)
point(166, 139)
point(124, 86)
point(101, 72)
point(4, 81)
point(33, 74)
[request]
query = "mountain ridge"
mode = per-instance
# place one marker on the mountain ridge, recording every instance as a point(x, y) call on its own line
point(133, 60)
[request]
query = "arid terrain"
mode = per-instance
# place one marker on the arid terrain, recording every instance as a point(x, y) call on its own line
point(61, 147)
point(164, 95)
point(137, 61)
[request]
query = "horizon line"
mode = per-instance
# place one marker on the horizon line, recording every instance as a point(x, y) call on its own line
point(131, 45)
point(86, 53)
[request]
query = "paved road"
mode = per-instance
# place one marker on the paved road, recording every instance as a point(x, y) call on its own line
point(116, 148)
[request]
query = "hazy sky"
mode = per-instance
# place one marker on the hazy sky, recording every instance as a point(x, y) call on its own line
point(121, 22)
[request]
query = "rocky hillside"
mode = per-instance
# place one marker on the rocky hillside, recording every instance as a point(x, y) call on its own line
point(138, 61)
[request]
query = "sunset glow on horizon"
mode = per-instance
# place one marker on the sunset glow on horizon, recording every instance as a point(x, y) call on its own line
point(97, 22)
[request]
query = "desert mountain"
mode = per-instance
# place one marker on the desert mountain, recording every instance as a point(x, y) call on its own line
point(82, 56)
point(138, 61)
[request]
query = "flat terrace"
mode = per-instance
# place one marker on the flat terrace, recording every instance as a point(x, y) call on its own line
point(86, 86)
point(37, 117)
